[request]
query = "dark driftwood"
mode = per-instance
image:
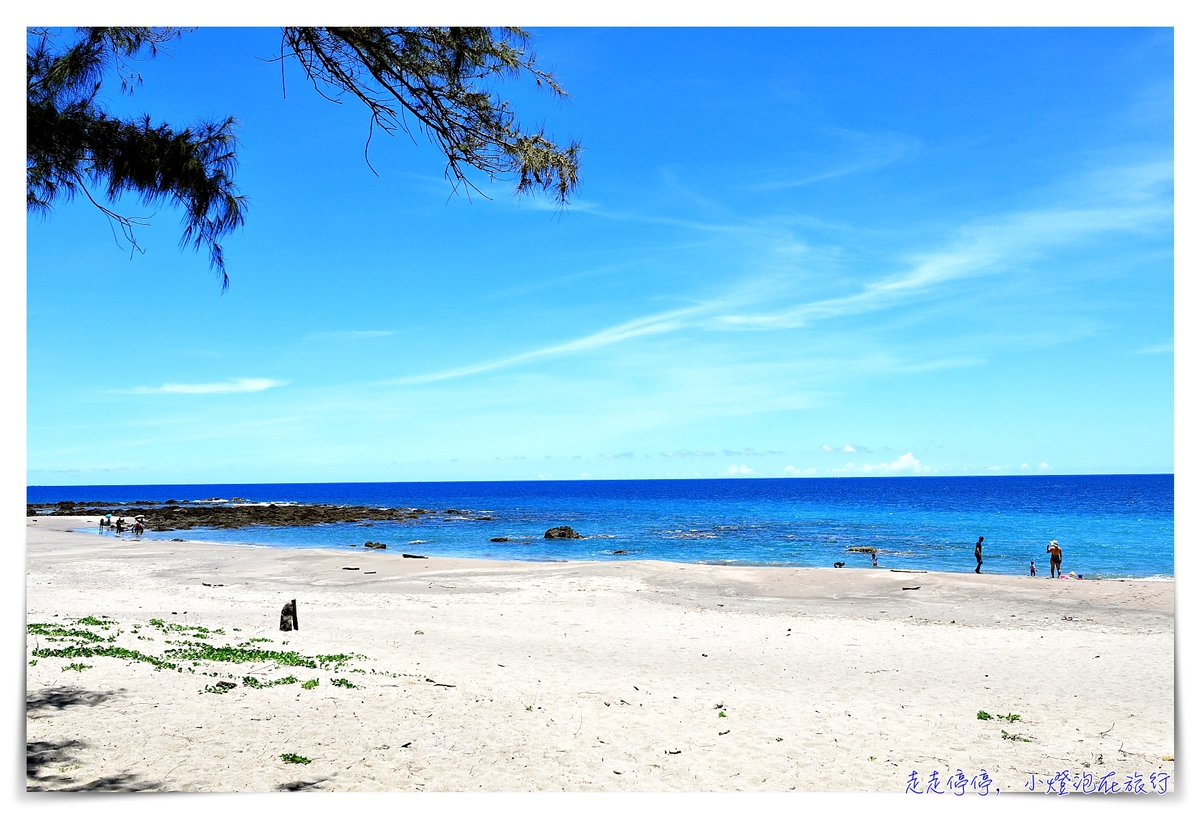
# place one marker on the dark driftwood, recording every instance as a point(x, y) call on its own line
point(288, 621)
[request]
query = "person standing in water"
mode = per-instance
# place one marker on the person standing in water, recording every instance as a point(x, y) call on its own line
point(978, 555)
point(1055, 558)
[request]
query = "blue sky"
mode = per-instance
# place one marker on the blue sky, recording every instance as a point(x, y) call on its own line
point(795, 252)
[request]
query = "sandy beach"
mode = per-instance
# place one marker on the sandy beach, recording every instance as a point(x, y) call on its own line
point(470, 675)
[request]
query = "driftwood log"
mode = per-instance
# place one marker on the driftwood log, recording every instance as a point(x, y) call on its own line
point(288, 621)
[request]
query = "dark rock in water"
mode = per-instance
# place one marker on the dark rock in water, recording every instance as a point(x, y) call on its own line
point(288, 621)
point(620, 551)
point(451, 511)
point(839, 565)
point(499, 539)
point(369, 544)
point(562, 532)
point(484, 517)
point(414, 557)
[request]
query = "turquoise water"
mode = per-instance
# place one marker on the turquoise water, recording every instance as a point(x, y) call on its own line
point(1107, 525)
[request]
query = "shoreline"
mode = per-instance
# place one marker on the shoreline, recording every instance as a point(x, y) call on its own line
point(505, 675)
point(92, 522)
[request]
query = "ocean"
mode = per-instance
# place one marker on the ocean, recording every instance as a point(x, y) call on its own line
point(1109, 526)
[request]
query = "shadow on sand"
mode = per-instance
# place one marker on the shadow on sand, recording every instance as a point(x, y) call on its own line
point(46, 761)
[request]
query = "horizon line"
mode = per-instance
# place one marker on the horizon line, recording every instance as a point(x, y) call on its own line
point(619, 480)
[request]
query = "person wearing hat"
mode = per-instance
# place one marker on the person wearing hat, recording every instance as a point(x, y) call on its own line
point(1055, 558)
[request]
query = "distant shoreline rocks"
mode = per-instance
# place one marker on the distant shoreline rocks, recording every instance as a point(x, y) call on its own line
point(562, 532)
point(175, 516)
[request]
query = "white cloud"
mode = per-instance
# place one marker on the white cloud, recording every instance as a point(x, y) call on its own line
point(685, 453)
point(905, 463)
point(749, 453)
point(847, 449)
point(1024, 465)
point(1043, 466)
point(739, 471)
point(1169, 346)
point(792, 471)
point(234, 385)
point(622, 454)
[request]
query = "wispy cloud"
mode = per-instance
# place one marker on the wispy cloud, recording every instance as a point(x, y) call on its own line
point(685, 453)
point(792, 471)
point(749, 453)
point(739, 471)
point(222, 388)
point(1169, 346)
point(984, 248)
point(609, 455)
point(349, 335)
point(871, 151)
point(981, 248)
point(650, 325)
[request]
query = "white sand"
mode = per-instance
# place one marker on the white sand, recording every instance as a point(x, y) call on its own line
point(590, 676)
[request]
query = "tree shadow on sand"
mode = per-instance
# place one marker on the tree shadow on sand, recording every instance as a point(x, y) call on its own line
point(44, 760)
point(300, 786)
point(60, 698)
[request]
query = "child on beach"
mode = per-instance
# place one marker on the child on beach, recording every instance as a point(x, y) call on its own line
point(1032, 569)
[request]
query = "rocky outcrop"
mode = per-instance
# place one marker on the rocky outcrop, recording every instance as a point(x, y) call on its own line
point(563, 532)
point(174, 516)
